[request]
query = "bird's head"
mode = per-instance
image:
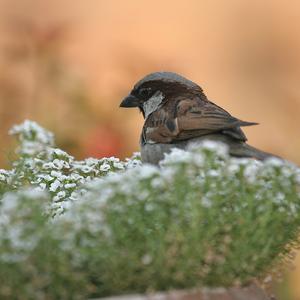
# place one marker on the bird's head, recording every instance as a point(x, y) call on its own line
point(155, 89)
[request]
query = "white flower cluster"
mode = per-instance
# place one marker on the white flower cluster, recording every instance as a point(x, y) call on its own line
point(269, 183)
point(227, 188)
point(15, 208)
point(32, 137)
point(5, 176)
point(51, 169)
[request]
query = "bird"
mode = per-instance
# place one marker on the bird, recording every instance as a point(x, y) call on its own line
point(177, 113)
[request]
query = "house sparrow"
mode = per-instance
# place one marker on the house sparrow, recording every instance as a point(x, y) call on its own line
point(177, 113)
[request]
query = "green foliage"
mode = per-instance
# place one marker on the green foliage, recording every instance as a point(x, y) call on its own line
point(76, 229)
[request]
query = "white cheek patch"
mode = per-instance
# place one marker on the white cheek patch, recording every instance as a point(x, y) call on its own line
point(153, 103)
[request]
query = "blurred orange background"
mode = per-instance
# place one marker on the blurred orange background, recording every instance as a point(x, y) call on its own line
point(67, 65)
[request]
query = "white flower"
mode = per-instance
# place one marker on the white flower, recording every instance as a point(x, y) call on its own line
point(118, 165)
point(30, 130)
point(146, 259)
point(146, 171)
point(46, 177)
point(274, 161)
point(86, 169)
point(279, 198)
point(112, 159)
point(157, 182)
point(233, 168)
point(91, 161)
point(213, 173)
point(56, 174)
point(251, 170)
point(3, 175)
point(176, 156)
point(60, 195)
point(75, 196)
point(49, 165)
point(219, 148)
point(42, 186)
point(206, 202)
point(60, 153)
point(104, 167)
point(70, 185)
point(76, 177)
point(60, 164)
point(55, 185)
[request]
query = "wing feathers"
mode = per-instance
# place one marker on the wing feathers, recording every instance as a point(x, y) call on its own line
point(193, 114)
point(190, 118)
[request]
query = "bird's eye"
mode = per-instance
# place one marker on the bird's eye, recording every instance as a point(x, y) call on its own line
point(145, 92)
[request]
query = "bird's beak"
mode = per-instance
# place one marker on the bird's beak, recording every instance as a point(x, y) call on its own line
point(130, 101)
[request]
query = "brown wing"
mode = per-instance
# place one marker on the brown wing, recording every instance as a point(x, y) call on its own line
point(196, 118)
point(193, 115)
point(189, 119)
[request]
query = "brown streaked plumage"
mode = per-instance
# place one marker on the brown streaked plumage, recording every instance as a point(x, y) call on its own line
point(182, 119)
point(177, 111)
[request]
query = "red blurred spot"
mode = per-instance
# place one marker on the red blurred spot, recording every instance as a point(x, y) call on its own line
point(102, 142)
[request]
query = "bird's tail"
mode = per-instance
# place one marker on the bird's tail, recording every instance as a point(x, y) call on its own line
point(245, 150)
point(245, 123)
